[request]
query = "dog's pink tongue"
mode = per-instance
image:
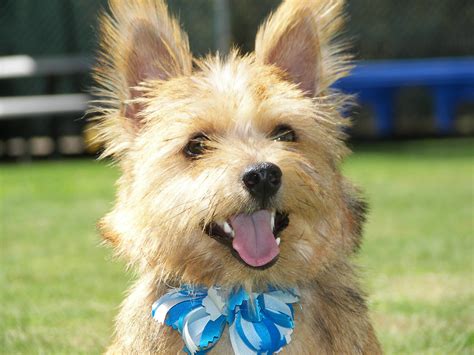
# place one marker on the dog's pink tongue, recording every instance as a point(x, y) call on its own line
point(254, 239)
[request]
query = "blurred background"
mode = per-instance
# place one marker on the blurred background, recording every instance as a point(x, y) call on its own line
point(412, 137)
point(47, 48)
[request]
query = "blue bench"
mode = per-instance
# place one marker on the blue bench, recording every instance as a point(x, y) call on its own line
point(451, 81)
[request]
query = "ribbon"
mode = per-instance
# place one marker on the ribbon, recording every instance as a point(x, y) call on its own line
point(259, 323)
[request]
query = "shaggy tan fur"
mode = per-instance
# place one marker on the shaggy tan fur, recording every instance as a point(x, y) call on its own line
point(154, 100)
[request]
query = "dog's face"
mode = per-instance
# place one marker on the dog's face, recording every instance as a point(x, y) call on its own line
point(230, 168)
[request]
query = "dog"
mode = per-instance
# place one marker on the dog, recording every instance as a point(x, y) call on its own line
point(231, 206)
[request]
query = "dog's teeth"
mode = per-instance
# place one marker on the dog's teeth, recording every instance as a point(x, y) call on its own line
point(278, 240)
point(273, 220)
point(227, 228)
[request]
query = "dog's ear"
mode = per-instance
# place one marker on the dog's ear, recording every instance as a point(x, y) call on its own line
point(298, 39)
point(139, 41)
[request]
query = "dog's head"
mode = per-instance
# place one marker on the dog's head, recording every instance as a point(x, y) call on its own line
point(230, 166)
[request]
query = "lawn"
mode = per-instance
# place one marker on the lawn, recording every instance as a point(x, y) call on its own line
point(60, 288)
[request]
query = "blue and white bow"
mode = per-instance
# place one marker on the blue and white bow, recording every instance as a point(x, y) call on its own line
point(259, 323)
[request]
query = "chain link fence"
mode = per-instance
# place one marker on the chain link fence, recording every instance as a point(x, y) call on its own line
point(378, 29)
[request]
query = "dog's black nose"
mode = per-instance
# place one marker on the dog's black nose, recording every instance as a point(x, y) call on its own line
point(262, 180)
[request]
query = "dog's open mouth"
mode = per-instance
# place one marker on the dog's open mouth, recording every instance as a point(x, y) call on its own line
point(254, 238)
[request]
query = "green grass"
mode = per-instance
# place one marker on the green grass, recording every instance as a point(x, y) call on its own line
point(419, 248)
point(60, 289)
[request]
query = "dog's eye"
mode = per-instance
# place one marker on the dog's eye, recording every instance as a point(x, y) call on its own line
point(196, 146)
point(283, 133)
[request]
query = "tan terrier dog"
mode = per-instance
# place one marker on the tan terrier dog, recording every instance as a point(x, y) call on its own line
point(231, 204)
